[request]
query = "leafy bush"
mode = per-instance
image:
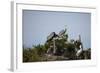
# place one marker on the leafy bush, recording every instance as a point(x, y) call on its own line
point(64, 50)
point(34, 54)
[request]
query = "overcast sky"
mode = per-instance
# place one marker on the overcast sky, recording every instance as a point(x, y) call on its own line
point(37, 25)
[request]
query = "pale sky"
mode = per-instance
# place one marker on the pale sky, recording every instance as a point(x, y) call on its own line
point(37, 25)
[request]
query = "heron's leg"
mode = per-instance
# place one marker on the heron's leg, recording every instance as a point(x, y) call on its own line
point(48, 51)
point(54, 46)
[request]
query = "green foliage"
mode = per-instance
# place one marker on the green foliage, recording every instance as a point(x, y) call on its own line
point(41, 49)
point(30, 55)
point(70, 51)
point(34, 54)
point(38, 52)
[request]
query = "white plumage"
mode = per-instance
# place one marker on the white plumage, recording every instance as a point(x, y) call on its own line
point(79, 52)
